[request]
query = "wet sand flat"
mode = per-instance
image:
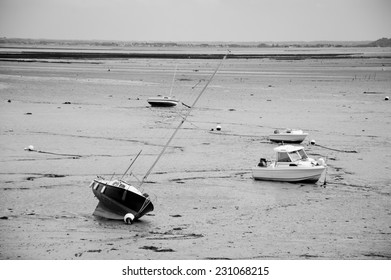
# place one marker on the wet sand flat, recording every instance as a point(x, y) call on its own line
point(93, 117)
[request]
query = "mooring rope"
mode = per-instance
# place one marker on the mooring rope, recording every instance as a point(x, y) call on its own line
point(31, 149)
point(337, 150)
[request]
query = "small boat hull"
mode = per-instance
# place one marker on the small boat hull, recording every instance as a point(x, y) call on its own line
point(115, 202)
point(162, 102)
point(288, 173)
point(288, 137)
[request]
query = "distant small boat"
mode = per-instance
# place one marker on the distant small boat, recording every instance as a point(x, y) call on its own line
point(288, 136)
point(162, 101)
point(119, 200)
point(291, 165)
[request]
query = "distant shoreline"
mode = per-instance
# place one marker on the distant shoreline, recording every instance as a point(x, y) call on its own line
point(383, 42)
point(35, 49)
point(78, 51)
point(161, 55)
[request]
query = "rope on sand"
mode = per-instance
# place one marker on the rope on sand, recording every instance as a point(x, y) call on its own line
point(31, 149)
point(332, 149)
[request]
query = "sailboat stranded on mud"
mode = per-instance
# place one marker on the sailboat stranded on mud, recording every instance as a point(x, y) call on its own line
point(164, 101)
point(120, 200)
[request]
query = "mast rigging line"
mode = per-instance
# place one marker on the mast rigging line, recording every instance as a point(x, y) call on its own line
point(183, 120)
point(173, 79)
point(133, 161)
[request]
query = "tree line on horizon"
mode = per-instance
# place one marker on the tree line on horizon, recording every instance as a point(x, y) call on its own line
point(383, 42)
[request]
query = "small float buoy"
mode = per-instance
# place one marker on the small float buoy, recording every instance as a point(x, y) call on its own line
point(312, 142)
point(128, 218)
point(386, 98)
point(321, 162)
point(29, 148)
point(218, 127)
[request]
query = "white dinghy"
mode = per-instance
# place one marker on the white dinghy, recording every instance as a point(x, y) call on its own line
point(288, 136)
point(162, 101)
point(291, 165)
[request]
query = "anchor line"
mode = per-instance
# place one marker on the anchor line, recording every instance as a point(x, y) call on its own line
point(50, 153)
point(337, 150)
point(145, 204)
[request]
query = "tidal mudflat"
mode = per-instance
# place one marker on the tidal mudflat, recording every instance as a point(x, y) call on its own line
point(90, 117)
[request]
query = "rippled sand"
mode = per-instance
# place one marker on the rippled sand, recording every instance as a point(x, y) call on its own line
point(207, 206)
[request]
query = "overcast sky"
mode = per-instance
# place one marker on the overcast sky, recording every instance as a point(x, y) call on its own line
point(197, 20)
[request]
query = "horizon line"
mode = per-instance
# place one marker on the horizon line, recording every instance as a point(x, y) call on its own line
point(192, 41)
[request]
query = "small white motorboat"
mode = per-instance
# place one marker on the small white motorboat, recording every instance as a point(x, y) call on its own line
point(291, 165)
point(288, 136)
point(162, 101)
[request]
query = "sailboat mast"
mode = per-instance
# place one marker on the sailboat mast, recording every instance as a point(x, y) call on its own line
point(183, 120)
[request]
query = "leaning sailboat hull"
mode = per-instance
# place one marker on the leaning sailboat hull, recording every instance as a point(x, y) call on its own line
point(115, 203)
point(292, 174)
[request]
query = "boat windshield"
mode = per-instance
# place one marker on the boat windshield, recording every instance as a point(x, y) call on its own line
point(283, 157)
point(294, 156)
point(303, 154)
